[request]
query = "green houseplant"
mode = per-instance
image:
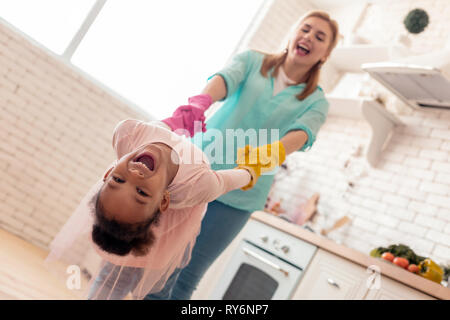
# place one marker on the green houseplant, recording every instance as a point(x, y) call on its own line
point(416, 21)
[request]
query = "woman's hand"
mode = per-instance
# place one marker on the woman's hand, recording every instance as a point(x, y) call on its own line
point(260, 160)
point(190, 117)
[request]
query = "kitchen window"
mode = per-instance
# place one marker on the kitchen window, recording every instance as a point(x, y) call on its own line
point(153, 53)
point(53, 23)
point(159, 53)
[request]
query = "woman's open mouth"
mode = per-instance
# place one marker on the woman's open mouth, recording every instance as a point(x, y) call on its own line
point(302, 50)
point(147, 160)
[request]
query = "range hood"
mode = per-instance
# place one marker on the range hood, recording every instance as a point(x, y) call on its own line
point(420, 81)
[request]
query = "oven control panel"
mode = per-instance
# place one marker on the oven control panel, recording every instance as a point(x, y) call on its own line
point(287, 247)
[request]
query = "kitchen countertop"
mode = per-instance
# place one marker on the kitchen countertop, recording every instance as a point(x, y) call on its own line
point(386, 268)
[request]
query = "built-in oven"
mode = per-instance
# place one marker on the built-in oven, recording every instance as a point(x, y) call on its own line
point(267, 265)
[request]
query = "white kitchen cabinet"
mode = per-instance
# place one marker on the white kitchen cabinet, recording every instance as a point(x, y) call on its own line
point(393, 290)
point(349, 58)
point(329, 277)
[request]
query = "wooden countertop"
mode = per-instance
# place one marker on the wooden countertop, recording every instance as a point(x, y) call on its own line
point(387, 269)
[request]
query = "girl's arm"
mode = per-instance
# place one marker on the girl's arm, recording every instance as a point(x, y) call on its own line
point(213, 184)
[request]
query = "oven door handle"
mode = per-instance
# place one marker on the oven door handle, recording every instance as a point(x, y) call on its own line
point(258, 257)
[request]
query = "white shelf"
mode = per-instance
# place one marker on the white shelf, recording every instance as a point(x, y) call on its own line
point(380, 120)
point(350, 58)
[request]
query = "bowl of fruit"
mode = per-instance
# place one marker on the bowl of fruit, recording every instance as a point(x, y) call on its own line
point(403, 257)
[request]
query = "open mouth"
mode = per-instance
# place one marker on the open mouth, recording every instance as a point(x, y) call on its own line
point(146, 160)
point(302, 49)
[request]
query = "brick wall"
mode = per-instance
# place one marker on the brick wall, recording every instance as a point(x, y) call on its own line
point(55, 136)
point(406, 198)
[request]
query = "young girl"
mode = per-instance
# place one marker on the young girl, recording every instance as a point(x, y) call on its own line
point(144, 215)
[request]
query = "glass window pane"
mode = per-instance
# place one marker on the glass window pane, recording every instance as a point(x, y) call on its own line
point(158, 53)
point(53, 23)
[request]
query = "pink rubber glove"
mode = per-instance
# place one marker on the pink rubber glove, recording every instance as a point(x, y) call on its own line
point(190, 117)
point(202, 101)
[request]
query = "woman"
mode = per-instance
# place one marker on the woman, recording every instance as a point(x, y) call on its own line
point(261, 91)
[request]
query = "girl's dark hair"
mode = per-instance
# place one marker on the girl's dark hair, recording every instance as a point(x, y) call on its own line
point(122, 238)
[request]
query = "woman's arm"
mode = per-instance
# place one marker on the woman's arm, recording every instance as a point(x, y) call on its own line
point(225, 82)
point(216, 88)
point(294, 140)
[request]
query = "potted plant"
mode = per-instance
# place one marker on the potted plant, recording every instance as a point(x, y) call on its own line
point(415, 22)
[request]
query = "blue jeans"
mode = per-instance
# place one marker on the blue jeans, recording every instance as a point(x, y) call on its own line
point(220, 226)
point(114, 282)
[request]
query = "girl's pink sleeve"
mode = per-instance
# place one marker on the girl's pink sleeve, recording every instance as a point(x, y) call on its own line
point(130, 134)
point(123, 133)
point(212, 184)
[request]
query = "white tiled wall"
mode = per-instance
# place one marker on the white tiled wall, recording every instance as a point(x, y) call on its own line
point(55, 137)
point(406, 198)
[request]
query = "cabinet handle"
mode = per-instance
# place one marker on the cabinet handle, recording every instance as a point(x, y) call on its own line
point(333, 283)
point(258, 257)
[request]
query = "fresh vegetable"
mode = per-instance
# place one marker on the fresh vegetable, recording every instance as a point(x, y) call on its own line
point(446, 272)
point(401, 262)
point(398, 250)
point(413, 268)
point(431, 271)
point(406, 258)
point(388, 256)
point(376, 253)
point(404, 251)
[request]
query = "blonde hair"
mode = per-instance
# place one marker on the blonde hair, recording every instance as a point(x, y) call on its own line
point(312, 79)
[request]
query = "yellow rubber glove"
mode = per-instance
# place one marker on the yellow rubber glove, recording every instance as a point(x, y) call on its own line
point(254, 171)
point(260, 160)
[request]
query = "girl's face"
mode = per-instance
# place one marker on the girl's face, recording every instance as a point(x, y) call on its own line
point(311, 42)
point(136, 187)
